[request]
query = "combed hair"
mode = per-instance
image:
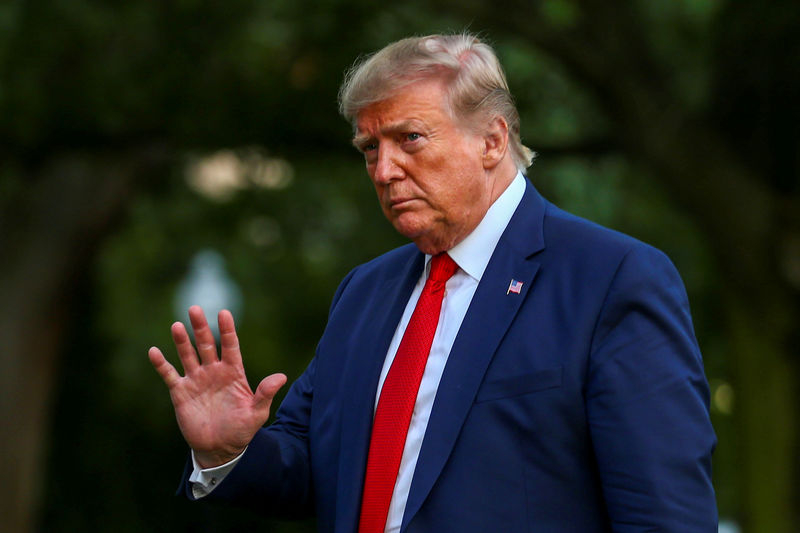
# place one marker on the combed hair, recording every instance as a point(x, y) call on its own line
point(477, 83)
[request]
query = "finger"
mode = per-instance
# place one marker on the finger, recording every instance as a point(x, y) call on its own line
point(162, 366)
point(184, 346)
point(229, 341)
point(267, 390)
point(206, 344)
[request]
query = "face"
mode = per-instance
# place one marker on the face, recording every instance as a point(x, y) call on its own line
point(428, 171)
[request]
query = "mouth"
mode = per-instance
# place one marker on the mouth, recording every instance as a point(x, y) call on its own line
point(398, 204)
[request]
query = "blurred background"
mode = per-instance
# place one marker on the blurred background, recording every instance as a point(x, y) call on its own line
point(159, 154)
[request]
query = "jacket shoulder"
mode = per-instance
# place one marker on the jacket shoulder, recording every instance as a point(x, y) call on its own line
point(390, 265)
point(573, 236)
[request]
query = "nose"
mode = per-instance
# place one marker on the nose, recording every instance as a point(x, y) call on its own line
point(387, 166)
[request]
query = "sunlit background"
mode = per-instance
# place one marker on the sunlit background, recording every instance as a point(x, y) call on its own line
point(154, 155)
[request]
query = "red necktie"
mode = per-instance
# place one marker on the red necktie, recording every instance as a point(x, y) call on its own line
point(399, 393)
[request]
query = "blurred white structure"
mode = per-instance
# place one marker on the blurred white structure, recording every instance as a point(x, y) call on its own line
point(208, 285)
point(220, 175)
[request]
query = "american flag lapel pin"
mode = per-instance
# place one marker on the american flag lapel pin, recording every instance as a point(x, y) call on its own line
point(515, 287)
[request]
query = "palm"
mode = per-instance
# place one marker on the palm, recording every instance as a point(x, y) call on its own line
point(215, 408)
point(217, 411)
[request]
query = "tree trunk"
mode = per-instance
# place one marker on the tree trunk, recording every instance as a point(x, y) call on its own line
point(51, 230)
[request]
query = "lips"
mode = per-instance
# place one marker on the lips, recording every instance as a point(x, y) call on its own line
point(400, 203)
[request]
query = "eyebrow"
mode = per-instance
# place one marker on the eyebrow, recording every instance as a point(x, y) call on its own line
point(360, 140)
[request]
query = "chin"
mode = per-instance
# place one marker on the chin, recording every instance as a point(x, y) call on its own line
point(410, 227)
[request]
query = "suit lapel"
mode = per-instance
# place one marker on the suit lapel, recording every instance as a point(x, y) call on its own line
point(490, 314)
point(359, 384)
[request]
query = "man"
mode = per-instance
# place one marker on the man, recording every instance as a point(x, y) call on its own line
point(515, 369)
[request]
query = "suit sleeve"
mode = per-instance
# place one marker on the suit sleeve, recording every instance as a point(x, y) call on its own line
point(647, 403)
point(273, 476)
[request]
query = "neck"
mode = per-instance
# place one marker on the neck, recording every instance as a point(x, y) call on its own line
point(501, 177)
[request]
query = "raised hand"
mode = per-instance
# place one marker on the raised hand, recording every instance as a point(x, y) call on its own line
point(217, 411)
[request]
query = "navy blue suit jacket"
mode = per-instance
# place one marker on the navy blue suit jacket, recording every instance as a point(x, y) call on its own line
point(578, 405)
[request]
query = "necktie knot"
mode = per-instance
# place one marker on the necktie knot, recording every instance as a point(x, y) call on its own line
point(442, 268)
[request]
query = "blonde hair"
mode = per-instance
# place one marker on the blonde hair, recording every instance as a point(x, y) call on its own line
point(476, 81)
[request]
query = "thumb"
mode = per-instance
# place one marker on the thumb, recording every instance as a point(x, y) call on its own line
point(267, 390)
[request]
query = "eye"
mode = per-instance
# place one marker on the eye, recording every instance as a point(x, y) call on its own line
point(413, 136)
point(370, 151)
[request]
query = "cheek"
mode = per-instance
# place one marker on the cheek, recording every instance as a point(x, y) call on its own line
point(465, 198)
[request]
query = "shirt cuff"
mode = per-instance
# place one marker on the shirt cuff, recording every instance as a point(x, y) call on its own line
point(204, 480)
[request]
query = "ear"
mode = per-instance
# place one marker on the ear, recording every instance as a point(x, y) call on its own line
point(495, 142)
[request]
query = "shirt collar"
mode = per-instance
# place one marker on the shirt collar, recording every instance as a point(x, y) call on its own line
point(472, 254)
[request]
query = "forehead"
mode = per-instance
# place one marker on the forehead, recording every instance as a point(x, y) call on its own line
point(422, 101)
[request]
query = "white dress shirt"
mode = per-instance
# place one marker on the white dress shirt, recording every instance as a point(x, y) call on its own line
point(472, 255)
